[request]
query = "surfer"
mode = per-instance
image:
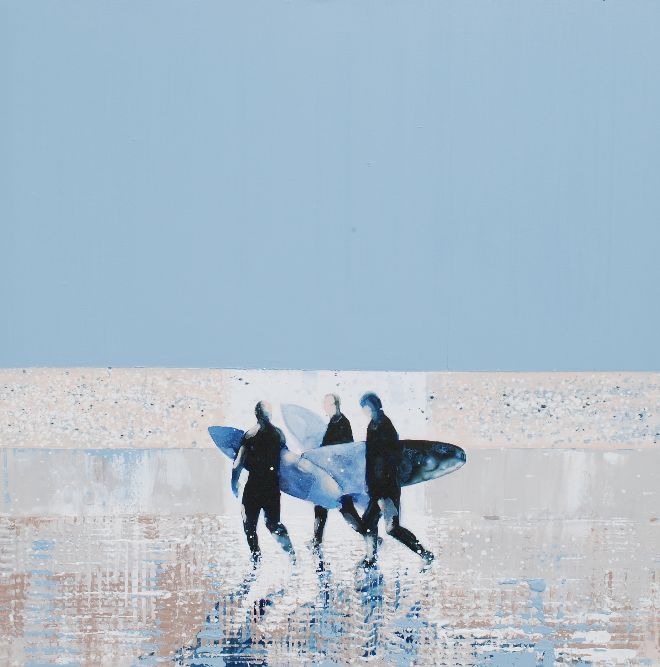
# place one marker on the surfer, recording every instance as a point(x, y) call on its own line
point(383, 457)
point(259, 454)
point(337, 432)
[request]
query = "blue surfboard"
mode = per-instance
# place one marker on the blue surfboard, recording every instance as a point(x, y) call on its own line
point(323, 475)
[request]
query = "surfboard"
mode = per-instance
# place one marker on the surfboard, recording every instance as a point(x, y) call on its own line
point(324, 474)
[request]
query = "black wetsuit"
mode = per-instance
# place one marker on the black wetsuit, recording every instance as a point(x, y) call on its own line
point(262, 490)
point(338, 432)
point(384, 452)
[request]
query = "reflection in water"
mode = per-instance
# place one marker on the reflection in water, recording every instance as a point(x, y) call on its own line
point(148, 590)
point(369, 587)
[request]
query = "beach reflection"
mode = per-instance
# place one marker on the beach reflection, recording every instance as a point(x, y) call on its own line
point(143, 590)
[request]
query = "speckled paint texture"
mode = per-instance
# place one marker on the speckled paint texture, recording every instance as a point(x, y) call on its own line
point(121, 543)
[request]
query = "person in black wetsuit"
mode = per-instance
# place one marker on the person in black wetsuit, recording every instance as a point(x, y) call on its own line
point(338, 432)
point(259, 454)
point(383, 457)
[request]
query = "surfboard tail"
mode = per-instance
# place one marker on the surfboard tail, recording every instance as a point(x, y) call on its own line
point(227, 439)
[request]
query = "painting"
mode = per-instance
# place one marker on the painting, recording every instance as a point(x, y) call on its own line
point(329, 333)
point(222, 517)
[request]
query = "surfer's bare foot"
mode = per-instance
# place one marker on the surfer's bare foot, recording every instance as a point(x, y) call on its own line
point(367, 563)
point(427, 557)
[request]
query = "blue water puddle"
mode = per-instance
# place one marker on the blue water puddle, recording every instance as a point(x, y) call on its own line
point(535, 652)
point(43, 545)
point(41, 611)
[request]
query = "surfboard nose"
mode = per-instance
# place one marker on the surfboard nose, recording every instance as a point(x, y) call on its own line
point(425, 459)
point(454, 458)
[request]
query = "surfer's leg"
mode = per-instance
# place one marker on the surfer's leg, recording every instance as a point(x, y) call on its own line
point(370, 523)
point(398, 532)
point(250, 512)
point(320, 517)
point(351, 515)
point(275, 526)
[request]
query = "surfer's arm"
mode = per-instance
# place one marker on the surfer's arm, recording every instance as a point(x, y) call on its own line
point(237, 468)
point(280, 435)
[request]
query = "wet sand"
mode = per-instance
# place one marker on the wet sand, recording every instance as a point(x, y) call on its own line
point(146, 589)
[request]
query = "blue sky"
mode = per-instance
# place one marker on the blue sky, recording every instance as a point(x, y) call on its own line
point(354, 185)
